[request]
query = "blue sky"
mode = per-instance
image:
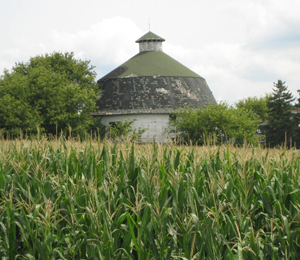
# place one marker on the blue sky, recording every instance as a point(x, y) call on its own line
point(239, 46)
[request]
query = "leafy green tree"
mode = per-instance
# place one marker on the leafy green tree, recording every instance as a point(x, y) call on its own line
point(218, 121)
point(55, 92)
point(260, 109)
point(257, 104)
point(124, 129)
point(281, 123)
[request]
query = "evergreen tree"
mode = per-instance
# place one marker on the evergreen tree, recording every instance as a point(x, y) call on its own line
point(296, 138)
point(281, 125)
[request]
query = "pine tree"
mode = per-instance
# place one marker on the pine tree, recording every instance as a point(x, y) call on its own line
point(296, 138)
point(281, 126)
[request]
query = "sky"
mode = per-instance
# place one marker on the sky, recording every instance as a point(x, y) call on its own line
point(241, 47)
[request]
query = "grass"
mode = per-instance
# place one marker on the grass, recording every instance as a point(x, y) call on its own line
point(93, 200)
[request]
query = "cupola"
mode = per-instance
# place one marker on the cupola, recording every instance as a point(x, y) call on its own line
point(150, 42)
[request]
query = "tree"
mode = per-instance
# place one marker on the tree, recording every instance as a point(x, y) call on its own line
point(124, 130)
point(218, 121)
point(296, 113)
point(281, 123)
point(55, 92)
point(256, 104)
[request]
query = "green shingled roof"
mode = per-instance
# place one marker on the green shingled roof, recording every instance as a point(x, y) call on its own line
point(150, 36)
point(151, 63)
point(151, 82)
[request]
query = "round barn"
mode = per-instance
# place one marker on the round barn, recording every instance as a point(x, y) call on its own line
point(148, 88)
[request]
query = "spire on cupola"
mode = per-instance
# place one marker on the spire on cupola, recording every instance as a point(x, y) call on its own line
point(150, 42)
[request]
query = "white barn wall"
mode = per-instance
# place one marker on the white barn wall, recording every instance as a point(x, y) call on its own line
point(156, 125)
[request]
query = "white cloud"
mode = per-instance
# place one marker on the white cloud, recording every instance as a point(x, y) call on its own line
point(110, 42)
point(234, 71)
point(239, 46)
point(107, 44)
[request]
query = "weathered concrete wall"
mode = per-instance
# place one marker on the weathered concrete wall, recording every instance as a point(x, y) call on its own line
point(156, 125)
point(150, 46)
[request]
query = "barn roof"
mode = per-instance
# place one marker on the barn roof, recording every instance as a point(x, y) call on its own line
point(151, 63)
point(151, 82)
point(152, 93)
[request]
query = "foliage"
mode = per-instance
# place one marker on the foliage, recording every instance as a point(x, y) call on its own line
point(296, 118)
point(71, 200)
point(124, 130)
point(224, 123)
point(257, 104)
point(97, 129)
point(55, 92)
point(281, 124)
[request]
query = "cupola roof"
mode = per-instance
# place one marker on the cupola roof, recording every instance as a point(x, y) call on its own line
point(150, 36)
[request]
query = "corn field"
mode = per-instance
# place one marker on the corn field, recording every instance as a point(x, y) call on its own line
point(65, 199)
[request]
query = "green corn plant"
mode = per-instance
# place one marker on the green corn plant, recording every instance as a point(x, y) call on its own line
point(71, 199)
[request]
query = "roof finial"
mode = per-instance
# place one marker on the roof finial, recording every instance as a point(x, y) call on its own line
point(149, 23)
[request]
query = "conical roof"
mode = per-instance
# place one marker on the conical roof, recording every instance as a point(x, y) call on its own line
point(150, 36)
point(151, 82)
point(151, 63)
